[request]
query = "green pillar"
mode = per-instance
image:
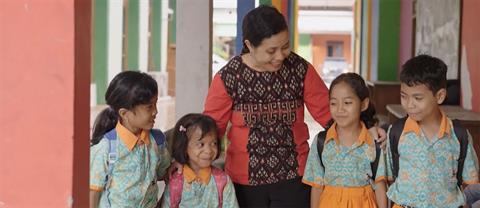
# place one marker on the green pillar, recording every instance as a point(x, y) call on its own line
point(133, 27)
point(388, 39)
point(100, 48)
point(156, 35)
point(265, 2)
point(172, 27)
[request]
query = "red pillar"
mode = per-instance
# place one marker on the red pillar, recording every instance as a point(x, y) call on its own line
point(44, 102)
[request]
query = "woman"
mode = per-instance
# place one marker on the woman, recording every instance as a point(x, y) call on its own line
point(262, 93)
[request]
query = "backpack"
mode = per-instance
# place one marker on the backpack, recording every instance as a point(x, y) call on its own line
point(111, 135)
point(176, 186)
point(396, 131)
point(321, 142)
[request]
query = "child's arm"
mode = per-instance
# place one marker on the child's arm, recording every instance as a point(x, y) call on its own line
point(381, 194)
point(229, 198)
point(315, 196)
point(94, 198)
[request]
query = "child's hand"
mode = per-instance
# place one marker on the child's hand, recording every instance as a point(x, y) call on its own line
point(174, 166)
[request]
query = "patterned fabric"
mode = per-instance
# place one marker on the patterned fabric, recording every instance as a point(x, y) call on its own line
point(344, 166)
point(427, 171)
point(268, 102)
point(201, 193)
point(134, 175)
point(219, 104)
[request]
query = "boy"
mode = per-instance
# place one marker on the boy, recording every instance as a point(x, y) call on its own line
point(423, 163)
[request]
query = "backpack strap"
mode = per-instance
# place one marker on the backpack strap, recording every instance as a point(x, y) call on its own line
point(374, 164)
point(111, 159)
point(159, 137)
point(220, 180)
point(462, 136)
point(176, 187)
point(394, 136)
point(320, 143)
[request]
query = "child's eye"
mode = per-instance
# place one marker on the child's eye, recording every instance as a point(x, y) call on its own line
point(333, 104)
point(418, 98)
point(348, 103)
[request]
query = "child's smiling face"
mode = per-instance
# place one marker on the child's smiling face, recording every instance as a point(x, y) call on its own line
point(345, 105)
point(201, 151)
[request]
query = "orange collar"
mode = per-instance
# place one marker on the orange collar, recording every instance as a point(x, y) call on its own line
point(129, 139)
point(412, 125)
point(203, 175)
point(364, 136)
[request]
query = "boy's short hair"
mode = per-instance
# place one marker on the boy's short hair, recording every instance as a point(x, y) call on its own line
point(427, 70)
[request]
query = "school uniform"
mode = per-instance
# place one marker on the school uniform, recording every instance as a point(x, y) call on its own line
point(428, 167)
point(201, 191)
point(346, 177)
point(140, 162)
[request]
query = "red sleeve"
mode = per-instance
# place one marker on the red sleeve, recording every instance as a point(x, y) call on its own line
point(218, 104)
point(316, 96)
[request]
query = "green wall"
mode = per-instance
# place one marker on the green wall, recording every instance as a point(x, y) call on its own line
point(388, 39)
point(133, 36)
point(100, 48)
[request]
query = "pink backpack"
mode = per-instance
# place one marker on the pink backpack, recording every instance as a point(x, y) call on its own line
point(176, 186)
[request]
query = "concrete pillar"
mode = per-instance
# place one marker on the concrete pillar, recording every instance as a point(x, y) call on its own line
point(44, 111)
point(193, 55)
point(115, 38)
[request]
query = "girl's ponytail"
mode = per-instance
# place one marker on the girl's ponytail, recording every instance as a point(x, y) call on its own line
point(105, 121)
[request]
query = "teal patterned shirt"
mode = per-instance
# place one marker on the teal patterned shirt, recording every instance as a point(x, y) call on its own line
point(428, 167)
point(134, 174)
point(344, 166)
point(201, 191)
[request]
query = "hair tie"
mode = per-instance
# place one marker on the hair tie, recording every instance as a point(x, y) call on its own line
point(182, 129)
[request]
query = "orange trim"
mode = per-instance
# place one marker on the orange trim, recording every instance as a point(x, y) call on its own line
point(203, 175)
point(364, 136)
point(96, 188)
point(311, 184)
point(471, 182)
point(413, 126)
point(129, 139)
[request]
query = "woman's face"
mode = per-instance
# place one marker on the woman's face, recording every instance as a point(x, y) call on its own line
point(269, 55)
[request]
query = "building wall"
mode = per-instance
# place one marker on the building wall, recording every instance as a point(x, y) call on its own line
point(319, 48)
point(44, 103)
point(470, 62)
point(406, 33)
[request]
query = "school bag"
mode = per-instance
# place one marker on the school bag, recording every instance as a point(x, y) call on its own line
point(111, 136)
point(321, 142)
point(176, 186)
point(396, 132)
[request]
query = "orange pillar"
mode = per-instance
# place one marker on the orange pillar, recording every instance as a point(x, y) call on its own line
point(44, 103)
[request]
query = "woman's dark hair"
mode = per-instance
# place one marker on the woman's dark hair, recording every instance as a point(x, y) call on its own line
point(184, 129)
point(127, 90)
point(358, 85)
point(260, 23)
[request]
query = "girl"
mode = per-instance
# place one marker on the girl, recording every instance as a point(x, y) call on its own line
point(127, 157)
point(341, 174)
point(200, 184)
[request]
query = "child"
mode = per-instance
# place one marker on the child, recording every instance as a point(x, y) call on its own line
point(127, 157)
point(196, 146)
point(341, 174)
point(424, 150)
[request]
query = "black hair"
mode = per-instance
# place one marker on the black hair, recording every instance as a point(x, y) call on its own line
point(427, 70)
point(127, 90)
point(360, 88)
point(260, 23)
point(184, 129)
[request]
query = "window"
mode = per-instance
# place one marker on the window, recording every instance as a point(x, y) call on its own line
point(334, 49)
